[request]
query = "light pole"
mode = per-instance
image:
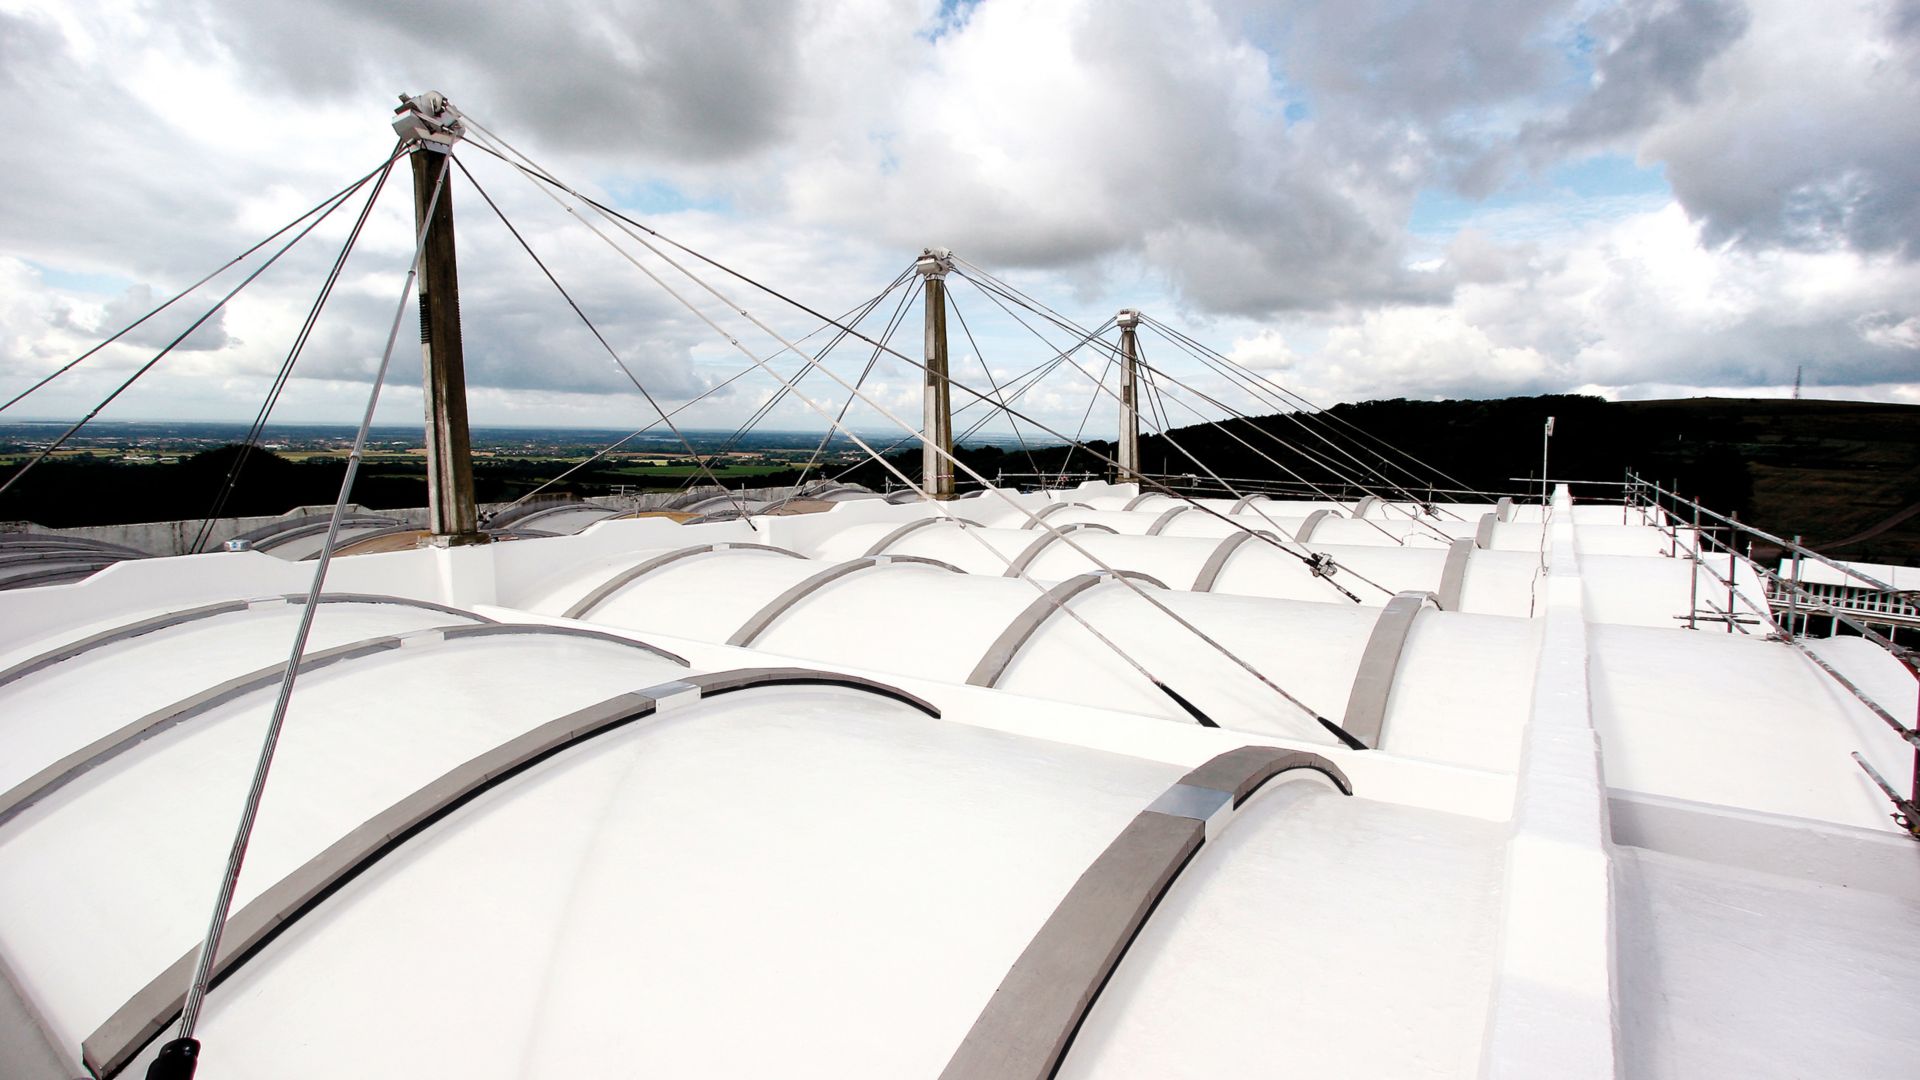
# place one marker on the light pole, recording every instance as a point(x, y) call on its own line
point(1544, 438)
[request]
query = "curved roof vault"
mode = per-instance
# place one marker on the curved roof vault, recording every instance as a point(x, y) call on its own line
point(921, 822)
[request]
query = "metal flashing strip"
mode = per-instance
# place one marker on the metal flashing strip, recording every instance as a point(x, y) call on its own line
point(549, 630)
point(43, 541)
point(605, 512)
point(348, 530)
point(349, 540)
point(1483, 532)
point(111, 745)
point(1021, 561)
point(1245, 502)
point(1028, 1025)
point(87, 556)
point(1305, 531)
point(1368, 503)
point(1366, 714)
point(1504, 509)
point(538, 506)
point(758, 623)
point(105, 748)
point(59, 574)
point(381, 598)
point(531, 513)
point(1134, 503)
point(1166, 518)
point(45, 564)
point(269, 537)
point(1453, 575)
point(994, 663)
point(1217, 561)
point(1040, 515)
point(633, 573)
point(893, 537)
point(118, 1040)
point(226, 607)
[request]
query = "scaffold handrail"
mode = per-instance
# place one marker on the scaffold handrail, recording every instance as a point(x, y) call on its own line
point(1761, 534)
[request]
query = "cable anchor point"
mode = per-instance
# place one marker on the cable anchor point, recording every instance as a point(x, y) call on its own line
point(430, 119)
point(934, 262)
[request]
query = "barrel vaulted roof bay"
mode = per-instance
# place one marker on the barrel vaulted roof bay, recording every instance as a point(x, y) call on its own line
point(834, 794)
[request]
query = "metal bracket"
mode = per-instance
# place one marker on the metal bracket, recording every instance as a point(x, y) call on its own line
point(1906, 813)
point(431, 119)
point(934, 262)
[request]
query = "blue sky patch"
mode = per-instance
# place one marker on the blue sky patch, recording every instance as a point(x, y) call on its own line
point(1613, 177)
point(660, 197)
point(81, 281)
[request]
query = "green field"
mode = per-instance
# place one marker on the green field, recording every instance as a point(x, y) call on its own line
point(683, 471)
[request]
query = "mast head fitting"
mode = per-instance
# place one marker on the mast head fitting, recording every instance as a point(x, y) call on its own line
point(430, 118)
point(934, 262)
point(1128, 318)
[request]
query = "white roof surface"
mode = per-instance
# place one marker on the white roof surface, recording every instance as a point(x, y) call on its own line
point(1588, 842)
point(1900, 577)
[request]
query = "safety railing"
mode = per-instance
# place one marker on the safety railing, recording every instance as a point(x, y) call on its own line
point(1785, 607)
point(1044, 480)
point(1334, 490)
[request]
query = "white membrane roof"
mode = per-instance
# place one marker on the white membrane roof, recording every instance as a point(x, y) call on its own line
point(741, 800)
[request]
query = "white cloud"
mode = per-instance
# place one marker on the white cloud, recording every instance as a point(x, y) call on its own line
point(1806, 132)
point(1638, 308)
point(1266, 350)
point(1248, 170)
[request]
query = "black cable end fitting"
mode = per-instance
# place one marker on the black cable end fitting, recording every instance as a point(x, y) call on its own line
point(1192, 709)
point(1342, 734)
point(177, 1061)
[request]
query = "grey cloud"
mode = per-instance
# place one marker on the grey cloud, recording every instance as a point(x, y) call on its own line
point(1771, 137)
point(1155, 146)
point(157, 332)
point(1423, 88)
point(700, 82)
point(79, 160)
point(1417, 60)
point(1760, 352)
point(518, 333)
point(1840, 169)
point(1182, 156)
point(1904, 18)
point(1654, 55)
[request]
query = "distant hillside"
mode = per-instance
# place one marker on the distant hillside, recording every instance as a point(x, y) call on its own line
point(1845, 475)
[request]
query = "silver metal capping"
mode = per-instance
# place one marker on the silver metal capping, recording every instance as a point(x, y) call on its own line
point(1028, 1025)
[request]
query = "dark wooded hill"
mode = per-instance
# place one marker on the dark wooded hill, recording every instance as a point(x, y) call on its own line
point(1845, 475)
point(1842, 474)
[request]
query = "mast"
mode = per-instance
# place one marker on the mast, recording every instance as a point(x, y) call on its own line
point(936, 467)
point(431, 120)
point(1129, 454)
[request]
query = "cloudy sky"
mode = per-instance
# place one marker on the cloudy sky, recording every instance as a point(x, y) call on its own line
point(1368, 198)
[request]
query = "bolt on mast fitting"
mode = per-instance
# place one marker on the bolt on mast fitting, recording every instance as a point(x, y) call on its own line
point(934, 262)
point(429, 118)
